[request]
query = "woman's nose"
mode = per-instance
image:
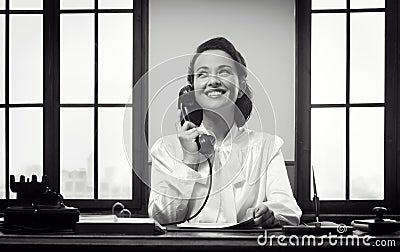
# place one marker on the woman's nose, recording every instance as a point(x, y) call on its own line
point(214, 81)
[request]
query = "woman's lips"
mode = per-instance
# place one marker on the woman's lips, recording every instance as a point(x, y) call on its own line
point(215, 93)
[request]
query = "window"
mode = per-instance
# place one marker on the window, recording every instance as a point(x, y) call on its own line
point(64, 97)
point(21, 95)
point(346, 113)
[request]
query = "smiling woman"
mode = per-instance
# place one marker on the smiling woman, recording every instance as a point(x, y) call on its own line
point(248, 176)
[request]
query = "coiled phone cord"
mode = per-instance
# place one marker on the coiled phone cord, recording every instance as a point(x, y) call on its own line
point(204, 202)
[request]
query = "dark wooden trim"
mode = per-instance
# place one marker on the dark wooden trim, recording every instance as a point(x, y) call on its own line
point(13, 12)
point(355, 105)
point(51, 94)
point(347, 191)
point(140, 101)
point(88, 105)
point(7, 99)
point(349, 10)
point(303, 99)
point(74, 11)
point(96, 100)
point(391, 87)
point(396, 67)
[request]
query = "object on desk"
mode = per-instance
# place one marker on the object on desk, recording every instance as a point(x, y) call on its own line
point(244, 224)
point(318, 228)
point(111, 224)
point(316, 204)
point(37, 209)
point(379, 225)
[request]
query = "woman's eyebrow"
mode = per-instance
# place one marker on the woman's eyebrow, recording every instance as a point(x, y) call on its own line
point(222, 66)
point(202, 67)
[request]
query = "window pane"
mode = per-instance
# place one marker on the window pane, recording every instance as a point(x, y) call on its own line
point(26, 142)
point(76, 152)
point(115, 57)
point(2, 57)
point(26, 4)
point(115, 171)
point(76, 4)
point(115, 4)
point(2, 157)
point(26, 59)
point(328, 4)
point(2, 4)
point(359, 4)
point(77, 58)
point(367, 153)
point(328, 58)
point(367, 54)
point(328, 152)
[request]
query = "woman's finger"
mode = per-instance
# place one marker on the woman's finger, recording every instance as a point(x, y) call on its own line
point(270, 222)
point(188, 125)
point(193, 134)
point(260, 210)
point(178, 121)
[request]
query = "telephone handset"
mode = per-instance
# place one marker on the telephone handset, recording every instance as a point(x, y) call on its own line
point(186, 103)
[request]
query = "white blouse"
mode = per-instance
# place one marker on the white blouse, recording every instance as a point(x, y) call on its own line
point(248, 170)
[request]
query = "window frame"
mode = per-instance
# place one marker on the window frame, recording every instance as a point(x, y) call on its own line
point(51, 106)
point(303, 116)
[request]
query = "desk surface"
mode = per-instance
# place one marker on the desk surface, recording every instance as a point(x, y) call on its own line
point(193, 240)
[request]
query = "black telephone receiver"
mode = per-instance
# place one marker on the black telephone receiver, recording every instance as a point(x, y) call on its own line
point(186, 103)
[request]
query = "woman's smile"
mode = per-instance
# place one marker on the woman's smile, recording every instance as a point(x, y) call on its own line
point(214, 92)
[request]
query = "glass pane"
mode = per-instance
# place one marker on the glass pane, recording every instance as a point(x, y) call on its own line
point(328, 58)
point(2, 57)
point(26, 142)
point(328, 4)
point(26, 4)
point(359, 4)
point(328, 152)
point(76, 152)
point(115, 4)
point(115, 57)
point(26, 59)
point(367, 153)
point(77, 58)
point(2, 4)
point(367, 54)
point(115, 171)
point(2, 157)
point(76, 4)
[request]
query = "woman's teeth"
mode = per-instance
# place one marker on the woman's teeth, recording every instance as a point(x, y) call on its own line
point(214, 94)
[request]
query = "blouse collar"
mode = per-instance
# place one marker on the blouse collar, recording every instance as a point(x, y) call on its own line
point(229, 138)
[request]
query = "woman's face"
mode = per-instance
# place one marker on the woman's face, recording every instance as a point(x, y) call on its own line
point(216, 81)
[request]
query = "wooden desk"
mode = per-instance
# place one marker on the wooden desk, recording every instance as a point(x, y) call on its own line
point(177, 241)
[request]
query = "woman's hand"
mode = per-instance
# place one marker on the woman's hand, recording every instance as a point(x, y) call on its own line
point(264, 217)
point(187, 134)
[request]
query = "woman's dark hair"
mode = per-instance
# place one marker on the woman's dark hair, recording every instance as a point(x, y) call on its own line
point(244, 104)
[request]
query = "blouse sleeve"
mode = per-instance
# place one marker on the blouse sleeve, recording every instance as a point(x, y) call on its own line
point(280, 197)
point(172, 183)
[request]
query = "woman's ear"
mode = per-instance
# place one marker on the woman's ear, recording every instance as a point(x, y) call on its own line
point(242, 88)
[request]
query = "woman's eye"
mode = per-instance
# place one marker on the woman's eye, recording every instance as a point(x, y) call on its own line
point(224, 72)
point(201, 74)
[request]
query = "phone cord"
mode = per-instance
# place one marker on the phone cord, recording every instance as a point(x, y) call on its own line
point(204, 202)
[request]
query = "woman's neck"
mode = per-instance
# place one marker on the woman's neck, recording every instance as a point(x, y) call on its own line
point(218, 122)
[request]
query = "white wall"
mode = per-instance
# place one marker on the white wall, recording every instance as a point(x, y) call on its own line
point(262, 30)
